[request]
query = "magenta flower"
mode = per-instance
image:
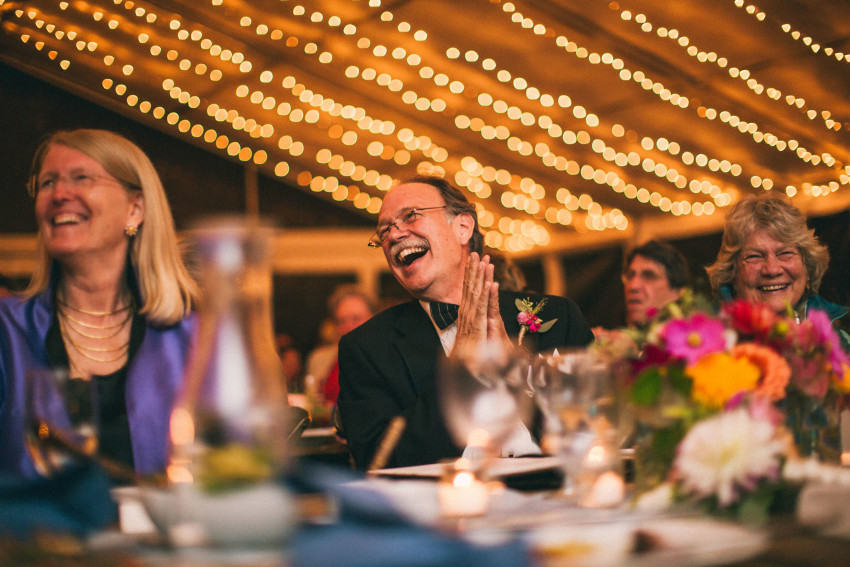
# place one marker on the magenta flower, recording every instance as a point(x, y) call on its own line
point(534, 324)
point(826, 335)
point(693, 338)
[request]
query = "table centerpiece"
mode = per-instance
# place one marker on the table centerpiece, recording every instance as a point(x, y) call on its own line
point(724, 402)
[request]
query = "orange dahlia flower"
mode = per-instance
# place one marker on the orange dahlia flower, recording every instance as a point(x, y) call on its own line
point(775, 372)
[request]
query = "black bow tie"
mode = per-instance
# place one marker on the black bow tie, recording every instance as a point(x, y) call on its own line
point(444, 314)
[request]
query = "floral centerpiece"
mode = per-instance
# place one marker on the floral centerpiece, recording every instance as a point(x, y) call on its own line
point(722, 402)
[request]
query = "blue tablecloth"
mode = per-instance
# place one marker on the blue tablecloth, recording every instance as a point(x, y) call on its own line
point(370, 531)
point(75, 501)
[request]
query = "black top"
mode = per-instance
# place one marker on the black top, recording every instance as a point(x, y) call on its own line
point(112, 423)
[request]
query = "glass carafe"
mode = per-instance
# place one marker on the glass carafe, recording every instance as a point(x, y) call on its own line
point(229, 428)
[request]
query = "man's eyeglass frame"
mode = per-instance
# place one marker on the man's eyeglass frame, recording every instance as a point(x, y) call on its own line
point(402, 221)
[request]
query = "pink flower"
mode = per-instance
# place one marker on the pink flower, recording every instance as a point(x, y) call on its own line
point(523, 317)
point(694, 337)
point(809, 374)
point(814, 352)
point(826, 335)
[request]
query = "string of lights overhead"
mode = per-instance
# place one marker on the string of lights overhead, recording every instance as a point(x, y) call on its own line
point(559, 118)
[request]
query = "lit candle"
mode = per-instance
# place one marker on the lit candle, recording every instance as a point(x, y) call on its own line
point(462, 494)
point(601, 484)
point(608, 491)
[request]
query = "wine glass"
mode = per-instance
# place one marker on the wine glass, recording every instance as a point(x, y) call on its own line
point(576, 392)
point(60, 416)
point(485, 398)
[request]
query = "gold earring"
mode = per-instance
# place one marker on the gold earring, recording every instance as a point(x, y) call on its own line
point(131, 230)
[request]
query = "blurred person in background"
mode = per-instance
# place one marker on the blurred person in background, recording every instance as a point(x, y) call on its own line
point(654, 274)
point(507, 273)
point(110, 298)
point(291, 361)
point(321, 359)
point(350, 308)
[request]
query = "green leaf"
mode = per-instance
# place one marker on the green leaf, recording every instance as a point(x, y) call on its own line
point(754, 509)
point(665, 442)
point(680, 381)
point(520, 304)
point(546, 326)
point(647, 387)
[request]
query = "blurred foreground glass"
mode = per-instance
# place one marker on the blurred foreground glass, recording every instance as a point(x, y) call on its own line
point(577, 394)
point(485, 399)
point(61, 419)
point(229, 428)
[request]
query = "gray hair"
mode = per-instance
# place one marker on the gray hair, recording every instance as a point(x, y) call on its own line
point(784, 222)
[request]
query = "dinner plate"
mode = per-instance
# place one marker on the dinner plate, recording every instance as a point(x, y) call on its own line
point(561, 535)
point(649, 542)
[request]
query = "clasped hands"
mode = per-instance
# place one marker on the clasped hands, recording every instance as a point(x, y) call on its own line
point(479, 321)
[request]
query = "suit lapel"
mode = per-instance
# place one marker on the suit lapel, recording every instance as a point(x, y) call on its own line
point(419, 346)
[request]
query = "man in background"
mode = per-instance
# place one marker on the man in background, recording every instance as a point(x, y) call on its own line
point(350, 307)
point(654, 274)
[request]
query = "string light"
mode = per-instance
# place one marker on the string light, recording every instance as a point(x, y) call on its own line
point(251, 113)
point(742, 74)
point(682, 102)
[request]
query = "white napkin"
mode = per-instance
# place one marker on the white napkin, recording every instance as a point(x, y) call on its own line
point(826, 508)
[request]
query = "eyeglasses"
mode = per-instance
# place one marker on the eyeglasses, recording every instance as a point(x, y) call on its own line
point(79, 181)
point(401, 222)
point(645, 275)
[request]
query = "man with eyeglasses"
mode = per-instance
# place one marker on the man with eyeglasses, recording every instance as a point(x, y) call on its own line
point(429, 235)
point(654, 274)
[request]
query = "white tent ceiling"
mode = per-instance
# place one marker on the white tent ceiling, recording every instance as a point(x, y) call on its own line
point(570, 122)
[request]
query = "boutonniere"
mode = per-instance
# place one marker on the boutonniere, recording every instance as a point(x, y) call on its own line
point(528, 318)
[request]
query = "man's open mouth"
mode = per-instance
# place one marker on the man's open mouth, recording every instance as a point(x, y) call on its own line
point(409, 254)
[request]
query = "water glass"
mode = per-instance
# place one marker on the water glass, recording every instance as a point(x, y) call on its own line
point(484, 396)
point(60, 416)
point(577, 394)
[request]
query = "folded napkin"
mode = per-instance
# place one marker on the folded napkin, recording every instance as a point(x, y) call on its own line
point(372, 532)
point(75, 501)
point(825, 507)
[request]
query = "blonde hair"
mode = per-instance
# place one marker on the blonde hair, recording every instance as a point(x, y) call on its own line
point(167, 290)
point(780, 219)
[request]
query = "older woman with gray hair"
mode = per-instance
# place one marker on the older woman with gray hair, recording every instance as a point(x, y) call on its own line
point(769, 255)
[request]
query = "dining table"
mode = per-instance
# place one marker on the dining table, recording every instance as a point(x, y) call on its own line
point(395, 517)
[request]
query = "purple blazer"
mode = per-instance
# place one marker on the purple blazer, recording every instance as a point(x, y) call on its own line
point(154, 380)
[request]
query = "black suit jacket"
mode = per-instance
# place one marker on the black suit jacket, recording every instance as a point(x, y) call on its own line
point(387, 367)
